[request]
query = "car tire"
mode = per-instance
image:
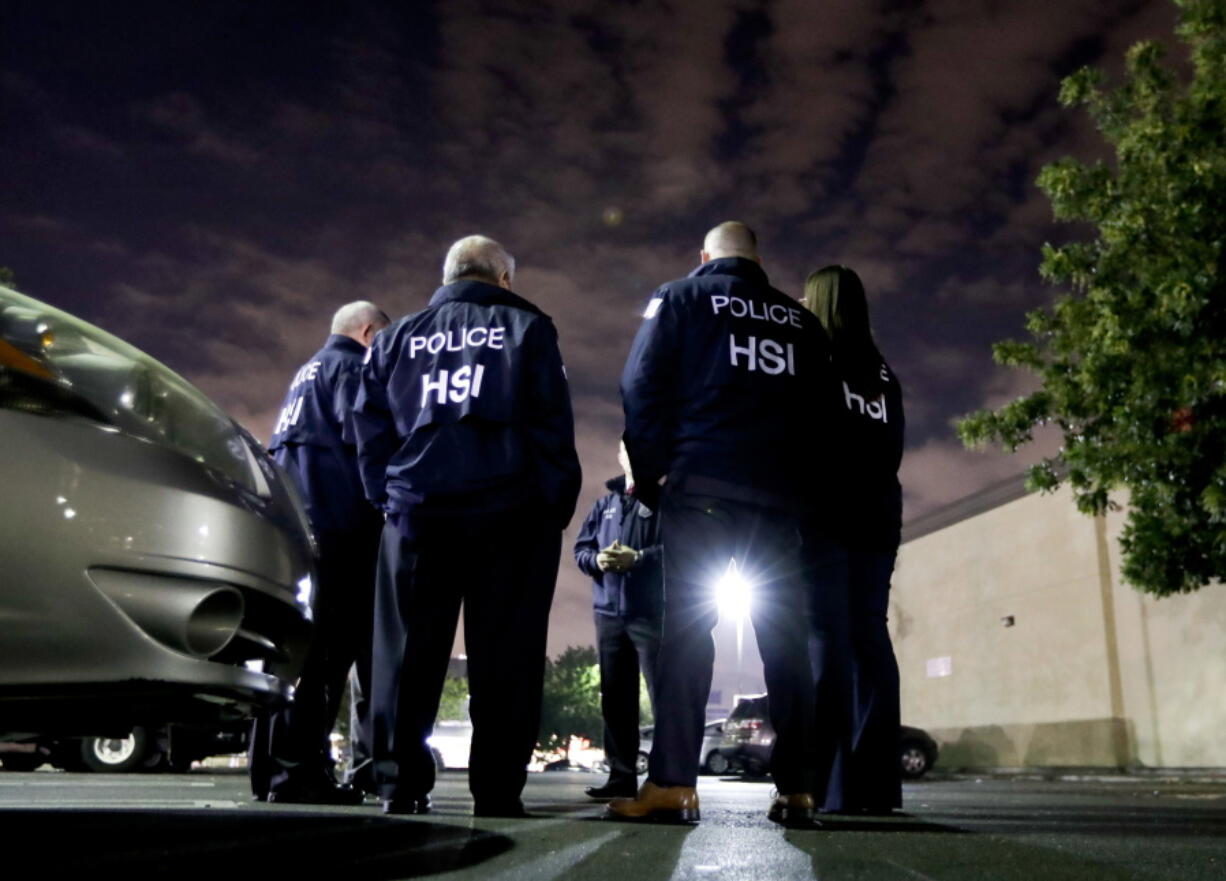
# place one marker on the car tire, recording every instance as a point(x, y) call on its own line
point(717, 763)
point(115, 754)
point(22, 761)
point(640, 764)
point(913, 760)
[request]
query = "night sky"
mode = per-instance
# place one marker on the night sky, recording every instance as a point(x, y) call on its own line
point(210, 180)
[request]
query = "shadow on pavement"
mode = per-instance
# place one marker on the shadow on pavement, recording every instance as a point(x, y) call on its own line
point(192, 844)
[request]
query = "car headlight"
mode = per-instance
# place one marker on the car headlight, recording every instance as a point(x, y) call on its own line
point(53, 362)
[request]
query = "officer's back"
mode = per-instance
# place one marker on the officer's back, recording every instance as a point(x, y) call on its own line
point(725, 374)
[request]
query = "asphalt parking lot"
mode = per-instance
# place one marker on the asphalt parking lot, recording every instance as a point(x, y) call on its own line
point(203, 824)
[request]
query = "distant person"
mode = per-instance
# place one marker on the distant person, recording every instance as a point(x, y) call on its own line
point(313, 440)
point(871, 521)
point(719, 394)
point(466, 440)
point(619, 548)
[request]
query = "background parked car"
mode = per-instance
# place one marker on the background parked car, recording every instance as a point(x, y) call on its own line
point(155, 564)
point(749, 738)
point(713, 761)
point(145, 748)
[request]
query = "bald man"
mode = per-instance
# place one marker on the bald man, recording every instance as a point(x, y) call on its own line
point(313, 439)
point(725, 382)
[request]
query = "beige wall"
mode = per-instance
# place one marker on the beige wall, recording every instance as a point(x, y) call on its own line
point(1089, 673)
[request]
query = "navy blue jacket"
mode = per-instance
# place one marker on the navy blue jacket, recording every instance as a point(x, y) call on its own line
point(314, 441)
point(871, 518)
point(725, 383)
point(464, 408)
point(639, 591)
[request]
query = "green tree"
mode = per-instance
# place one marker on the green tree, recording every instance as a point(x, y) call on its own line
point(571, 700)
point(1133, 359)
point(7, 277)
point(453, 705)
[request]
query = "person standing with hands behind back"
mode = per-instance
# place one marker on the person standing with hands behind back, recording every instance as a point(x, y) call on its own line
point(619, 547)
point(870, 521)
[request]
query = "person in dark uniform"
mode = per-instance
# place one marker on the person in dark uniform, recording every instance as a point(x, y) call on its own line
point(313, 440)
point(718, 395)
point(619, 547)
point(867, 777)
point(466, 440)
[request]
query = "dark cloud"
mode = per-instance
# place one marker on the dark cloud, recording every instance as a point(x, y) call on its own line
point(211, 181)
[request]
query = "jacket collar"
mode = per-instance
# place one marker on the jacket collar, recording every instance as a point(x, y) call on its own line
point(481, 293)
point(345, 344)
point(749, 270)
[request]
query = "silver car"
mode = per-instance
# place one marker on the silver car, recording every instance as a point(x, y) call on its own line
point(711, 761)
point(155, 564)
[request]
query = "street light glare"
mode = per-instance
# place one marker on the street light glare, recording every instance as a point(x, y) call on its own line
point(732, 593)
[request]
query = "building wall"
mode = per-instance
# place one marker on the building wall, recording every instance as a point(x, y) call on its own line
point(1019, 645)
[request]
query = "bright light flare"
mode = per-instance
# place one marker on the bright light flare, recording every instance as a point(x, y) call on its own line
point(733, 593)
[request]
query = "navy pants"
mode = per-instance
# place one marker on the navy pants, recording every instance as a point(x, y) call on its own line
point(502, 568)
point(700, 536)
point(625, 647)
point(876, 783)
point(297, 737)
point(828, 565)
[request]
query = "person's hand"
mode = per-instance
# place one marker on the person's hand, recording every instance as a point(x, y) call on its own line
point(617, 558)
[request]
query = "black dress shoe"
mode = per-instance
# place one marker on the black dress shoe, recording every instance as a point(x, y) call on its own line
point(419, 805)
point(611, 790)
point(513, 809)
point(326, 793)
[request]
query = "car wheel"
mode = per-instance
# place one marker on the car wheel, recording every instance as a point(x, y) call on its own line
point(640, 764)
point(913, 760)
point(116, 754)
point(22, 761)
point(717, 763)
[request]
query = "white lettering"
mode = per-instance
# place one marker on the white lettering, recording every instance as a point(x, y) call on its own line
point(771, 357)
point(874, 409)
point(306, 373)
point(289, 415)
point(439, 386)
point(455, 341)
point(461, 384)
point(457, 386)
point(748, 350)
point(775, 313)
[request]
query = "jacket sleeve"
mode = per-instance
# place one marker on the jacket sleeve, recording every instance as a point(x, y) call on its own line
point(587, 545)
point(650, 395)
point(550, 423)
point(374, 429)
point(344, 401)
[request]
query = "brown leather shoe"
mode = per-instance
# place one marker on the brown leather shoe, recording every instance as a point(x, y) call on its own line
point(795, 809)
point(659, 804)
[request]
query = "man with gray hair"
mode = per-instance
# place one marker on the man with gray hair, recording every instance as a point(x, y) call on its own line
point(466, 440)
point(314, 441)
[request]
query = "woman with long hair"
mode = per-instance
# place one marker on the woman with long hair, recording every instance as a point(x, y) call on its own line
point(869, 523)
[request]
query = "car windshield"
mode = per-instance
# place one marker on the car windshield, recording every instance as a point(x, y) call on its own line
point(749, 708)
point(135, 393)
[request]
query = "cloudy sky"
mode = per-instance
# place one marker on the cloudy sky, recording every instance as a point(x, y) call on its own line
point(211, 179)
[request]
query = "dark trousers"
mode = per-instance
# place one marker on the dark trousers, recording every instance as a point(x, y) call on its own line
point(298, 736)
point(503, 568)
point(831, 654)
point(625, 647)
point(876, 782)
point(700, 535)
